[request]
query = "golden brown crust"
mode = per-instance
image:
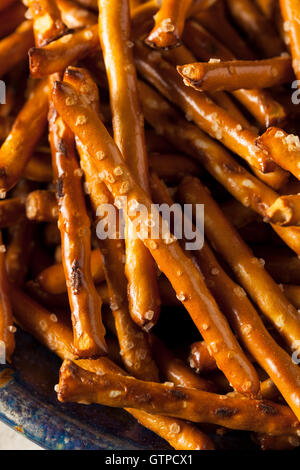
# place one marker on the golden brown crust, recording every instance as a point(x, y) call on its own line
point(41, 205)
point(77, 384)
point(236, 74)
point(285, 210)
point(290, 14)
point(14, 48)
point(74, 16)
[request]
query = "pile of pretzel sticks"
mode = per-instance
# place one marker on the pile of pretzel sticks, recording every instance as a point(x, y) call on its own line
point(193, 102)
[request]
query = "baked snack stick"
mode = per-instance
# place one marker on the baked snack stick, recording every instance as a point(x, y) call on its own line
point(41, 205)
point(169, 24)
point(248, 270)
point(7, 329)
point(199, 108)
point(264, 108)
point(188, 138)
point(114, 33)
point(290, 14)
point(74, 226)
point(73, 16)
point(11, 18)
point(134, 346)
point(25, 133)
point(241, 314)
point(47, 22)
point(236, 74)
point(12, 211)
point(180, 270)
point(76, 384)
point(54, 333)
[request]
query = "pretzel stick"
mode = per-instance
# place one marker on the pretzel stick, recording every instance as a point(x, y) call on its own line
point(236, 74)
point(259, 103)
point(189, 286)
point(57, 336)
point(41, 205)
point(135, 350)
point(239, 215)
point(293, 294)
point(208, 116)
point(285, 148)
point(11, 18)
point(249, 270)
point(18, 147)
point(77, 384)
point(14, 48)
point(73, 16)
point(290, 15)
point(237, 308)
point(189, 139)
point(47, 22)
point(53, 281)
point(38, 168)
point(226, 102)
point(74, 226)
point(285, 210)
point(7, 341)
point(6, 4)
point(169, 24)
point(114, 32)
point(92, 4)
point(200, 358)
point(256, 26)
point(11, 211)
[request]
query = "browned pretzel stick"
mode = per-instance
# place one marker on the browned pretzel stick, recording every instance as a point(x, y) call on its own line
point(236, 74)
point(47, 22)
point(14, 48)
point(184, 276)
point(41, 205)
point(77, 384)
point(11, 18)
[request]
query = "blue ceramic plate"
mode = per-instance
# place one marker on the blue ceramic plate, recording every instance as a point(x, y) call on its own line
point(28, 404)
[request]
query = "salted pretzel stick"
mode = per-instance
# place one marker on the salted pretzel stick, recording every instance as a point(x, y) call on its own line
point(7, 341)
point(285, 149)
point(285, 210)
point(200, 358)
point(237, 74)
point(256, 26)
point(172, 167)
point(76, 384)
point(57, 336)
point(73, 16)
point(74, 226)
point(14, 48)
point(175, 370)
point(218, 162)
point(11, 18)
point(19, 145)
point(169, 24)
point(114, 33)
point(266, 110)
point(134, 346)
point(290, 13)
point(12, 211)
point(41, 205)
point(226, 102)
point(180, 270)
point(53, 280)
point(38, 168)
point(240, 312)
point(47, 22)
point(206, 114)
point(249, 270)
